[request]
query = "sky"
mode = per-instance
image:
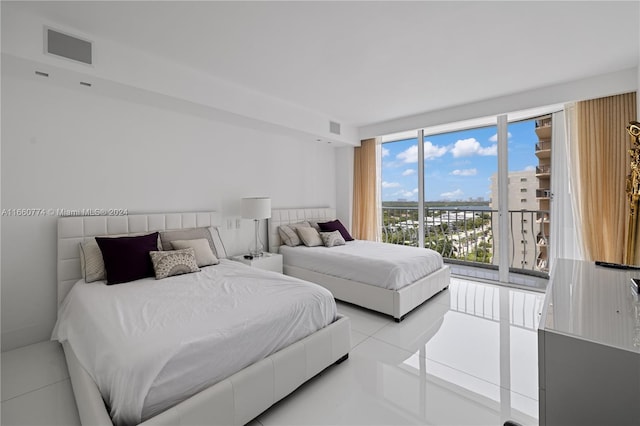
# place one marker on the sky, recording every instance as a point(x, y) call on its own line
point(457, 165)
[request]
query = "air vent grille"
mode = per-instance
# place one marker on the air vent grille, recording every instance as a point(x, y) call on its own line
point(66, 46)
point(334, 127)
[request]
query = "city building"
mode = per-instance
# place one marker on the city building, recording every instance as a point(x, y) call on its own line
point(523, 203)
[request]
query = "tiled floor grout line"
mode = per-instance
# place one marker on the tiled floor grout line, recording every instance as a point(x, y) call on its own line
point(36, 389)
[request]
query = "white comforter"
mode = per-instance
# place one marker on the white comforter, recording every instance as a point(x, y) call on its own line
point(383, 265)
point(151, 343)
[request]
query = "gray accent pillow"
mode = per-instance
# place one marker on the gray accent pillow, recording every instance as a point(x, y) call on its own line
point(173, 262)
point(314, 224)
point(288, 233)
point(220, 251)
point(204, 255)
point(331, 239)
point(309, 236)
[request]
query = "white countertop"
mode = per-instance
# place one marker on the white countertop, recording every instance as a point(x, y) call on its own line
point(593, 303)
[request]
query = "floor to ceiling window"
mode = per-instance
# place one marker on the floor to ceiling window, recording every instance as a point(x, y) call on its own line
point(462, 194)
point(529, 193)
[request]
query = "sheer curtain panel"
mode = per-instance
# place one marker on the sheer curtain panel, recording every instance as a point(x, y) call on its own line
point(564, 241)
point(365, 199)
point(603, 164)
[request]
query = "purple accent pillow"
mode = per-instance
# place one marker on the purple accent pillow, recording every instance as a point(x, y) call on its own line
point(127, 258)
point(336, 225)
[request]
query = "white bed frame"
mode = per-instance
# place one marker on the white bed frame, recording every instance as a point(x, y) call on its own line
point(396, 303)
point(234, 401)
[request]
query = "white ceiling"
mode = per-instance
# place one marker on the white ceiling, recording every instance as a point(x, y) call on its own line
point(368, 62)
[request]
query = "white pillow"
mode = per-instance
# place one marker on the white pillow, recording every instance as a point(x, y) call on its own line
point(309, 236)
point(204, 255)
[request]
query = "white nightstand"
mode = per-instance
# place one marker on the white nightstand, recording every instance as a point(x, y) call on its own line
point(268, 261)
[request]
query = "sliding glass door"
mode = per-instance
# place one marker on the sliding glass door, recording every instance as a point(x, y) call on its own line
point(485, 199)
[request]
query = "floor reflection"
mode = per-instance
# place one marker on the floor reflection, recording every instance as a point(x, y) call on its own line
point(467, 357)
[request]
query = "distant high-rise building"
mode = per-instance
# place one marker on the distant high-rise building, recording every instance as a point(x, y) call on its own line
point(543, 194)
point(522, 189)
point(529, 207)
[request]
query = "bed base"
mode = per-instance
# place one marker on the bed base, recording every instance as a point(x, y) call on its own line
point(238, 399)
point(397, 303)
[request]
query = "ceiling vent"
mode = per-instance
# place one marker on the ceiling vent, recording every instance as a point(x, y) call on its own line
point(334, 127)
point(66, 46)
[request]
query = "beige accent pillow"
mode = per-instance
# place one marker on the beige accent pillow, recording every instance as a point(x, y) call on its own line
point(166, 237)
point(173, 262)
point(203, 253)
point(288, 233)
point(309, 236)
point(91, 262)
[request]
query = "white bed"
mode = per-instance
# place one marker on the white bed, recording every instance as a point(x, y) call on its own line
point(236, 399)
point(395, 300)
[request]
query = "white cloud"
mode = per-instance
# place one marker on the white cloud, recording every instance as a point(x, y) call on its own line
point(406, 194)
point(391, 185)
point(409, 155)
point(453, 194)
point(409, 172)
point(529, 168)
point(431, 151)
point(465, 172)
point(494, 138)
point(385, 152)
point(470, 147)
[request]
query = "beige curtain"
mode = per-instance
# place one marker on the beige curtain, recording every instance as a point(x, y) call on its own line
point(603, 164)
point(365, 209)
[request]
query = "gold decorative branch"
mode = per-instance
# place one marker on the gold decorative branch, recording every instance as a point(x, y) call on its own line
point(633, 190)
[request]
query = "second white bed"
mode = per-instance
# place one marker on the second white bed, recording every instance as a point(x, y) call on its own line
point(383, 265)
point(387, 278)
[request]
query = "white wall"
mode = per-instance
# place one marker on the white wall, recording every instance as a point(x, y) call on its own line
point(22, 37)
point(77, 147)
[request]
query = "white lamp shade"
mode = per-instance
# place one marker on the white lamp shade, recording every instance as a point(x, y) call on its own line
point(256, 208)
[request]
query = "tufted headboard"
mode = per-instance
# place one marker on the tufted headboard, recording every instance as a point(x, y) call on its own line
point(287, 216)
point(73, 230)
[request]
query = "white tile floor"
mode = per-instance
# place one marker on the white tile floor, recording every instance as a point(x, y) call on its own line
point(466, 357)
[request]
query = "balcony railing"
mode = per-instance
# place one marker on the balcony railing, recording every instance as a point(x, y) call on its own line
point(543, 146)
point(470, 236)
point(543, 169)
point(543, 193)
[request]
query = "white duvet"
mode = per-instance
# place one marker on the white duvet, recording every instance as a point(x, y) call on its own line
point(151, 343)
point(389, 266)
